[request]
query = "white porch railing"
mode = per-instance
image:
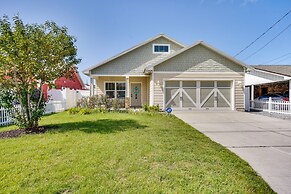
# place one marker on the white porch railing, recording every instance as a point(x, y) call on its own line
point(51, 107)
point(270, 106)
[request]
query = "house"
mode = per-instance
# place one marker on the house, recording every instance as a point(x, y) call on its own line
point(264, 79)
point(73, 83)
point(161, 71)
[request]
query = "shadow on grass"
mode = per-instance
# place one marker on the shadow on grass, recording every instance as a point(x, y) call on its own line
point(100, 126)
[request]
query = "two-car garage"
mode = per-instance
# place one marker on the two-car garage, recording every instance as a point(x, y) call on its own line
point(196, 94)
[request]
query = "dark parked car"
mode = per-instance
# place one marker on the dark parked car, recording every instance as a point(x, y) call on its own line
point(275, 97)
point(286, 95)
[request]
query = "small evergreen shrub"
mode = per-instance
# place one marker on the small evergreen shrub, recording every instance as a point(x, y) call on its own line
point(154, 108)
point(85, 111)
point(75, 110)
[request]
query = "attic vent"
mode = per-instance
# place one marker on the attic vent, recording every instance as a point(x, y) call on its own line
point(161, 48)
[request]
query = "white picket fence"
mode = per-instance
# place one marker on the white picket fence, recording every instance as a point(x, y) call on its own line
point(5, 117)
point(55, 106)
point(270, 106)
point(51, 107)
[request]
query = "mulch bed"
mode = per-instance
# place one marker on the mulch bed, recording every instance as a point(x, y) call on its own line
point(19, 132)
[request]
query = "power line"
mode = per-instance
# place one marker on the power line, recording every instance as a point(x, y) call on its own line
point(262, 34)
point(284, 59)
point(267, 42)
point(277, 58)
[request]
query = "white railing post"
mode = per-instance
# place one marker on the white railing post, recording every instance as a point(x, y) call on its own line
point(270, 105)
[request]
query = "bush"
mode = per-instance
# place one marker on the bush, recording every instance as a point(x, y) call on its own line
point(74, 110)
point(154, 108)
point(85, 111)
point(99, 104)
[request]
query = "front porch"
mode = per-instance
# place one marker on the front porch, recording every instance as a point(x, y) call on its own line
point(133, 89)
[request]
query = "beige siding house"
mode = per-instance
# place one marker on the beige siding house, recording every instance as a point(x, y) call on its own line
point(164, 72)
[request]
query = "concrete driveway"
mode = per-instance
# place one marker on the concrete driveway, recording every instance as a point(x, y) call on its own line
point(264, 142)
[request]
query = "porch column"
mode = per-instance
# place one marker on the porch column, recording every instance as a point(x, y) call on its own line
point(289, 90)
point(92, 87)
point(127, 93)
point(252, 92)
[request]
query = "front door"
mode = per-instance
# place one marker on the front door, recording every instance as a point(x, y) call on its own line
point(135, 95)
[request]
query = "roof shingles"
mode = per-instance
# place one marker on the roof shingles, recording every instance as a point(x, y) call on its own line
point(279, 69)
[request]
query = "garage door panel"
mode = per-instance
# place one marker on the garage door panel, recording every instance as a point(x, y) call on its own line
point(189, 84)
point(226, 93)
point(175, 102)
point(198, 94)
point(209, 102)
point(170, 92)
point(221, 102)
point(205, 93)
point(175, 84)
point(191, 92)
point(187, 100)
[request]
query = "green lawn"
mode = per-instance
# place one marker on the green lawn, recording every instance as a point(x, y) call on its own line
point(121, 153)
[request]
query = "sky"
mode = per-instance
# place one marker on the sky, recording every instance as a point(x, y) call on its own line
point(104, 28)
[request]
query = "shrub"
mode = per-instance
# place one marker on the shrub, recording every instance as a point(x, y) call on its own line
point(100, 102)
point(74, 110)
point(154, 108)
point(85, 111)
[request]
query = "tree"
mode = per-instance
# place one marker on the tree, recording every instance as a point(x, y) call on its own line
point(30, 56)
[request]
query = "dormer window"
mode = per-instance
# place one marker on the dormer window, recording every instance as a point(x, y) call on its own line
point(161, 48)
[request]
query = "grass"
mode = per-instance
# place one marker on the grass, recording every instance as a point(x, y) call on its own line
point(121, 153)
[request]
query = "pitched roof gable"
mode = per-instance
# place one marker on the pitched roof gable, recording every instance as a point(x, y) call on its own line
point(87, 71)
point(194, 45)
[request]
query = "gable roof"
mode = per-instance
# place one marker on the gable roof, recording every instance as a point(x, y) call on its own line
point(194, 45)
point(87, 71)
point(278, 69)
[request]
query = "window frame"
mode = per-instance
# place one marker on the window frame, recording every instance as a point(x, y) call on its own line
point(115, 88)
point(168, 45)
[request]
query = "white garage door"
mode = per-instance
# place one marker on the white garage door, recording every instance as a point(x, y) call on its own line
point(198, 94)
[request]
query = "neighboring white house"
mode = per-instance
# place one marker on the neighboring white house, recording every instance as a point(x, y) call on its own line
point(263, 77)
point(164, 72)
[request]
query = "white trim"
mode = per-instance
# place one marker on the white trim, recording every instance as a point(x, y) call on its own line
point(194, 72)
point(152, 93)
point(123, 75)
point(198, 79)
point(141, 89)
point(233, 101)
point(127, 92)
point(157, 44)
point(253, 92)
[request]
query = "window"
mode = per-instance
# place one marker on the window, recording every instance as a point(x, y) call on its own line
point(115, 89)
point(161, 48)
